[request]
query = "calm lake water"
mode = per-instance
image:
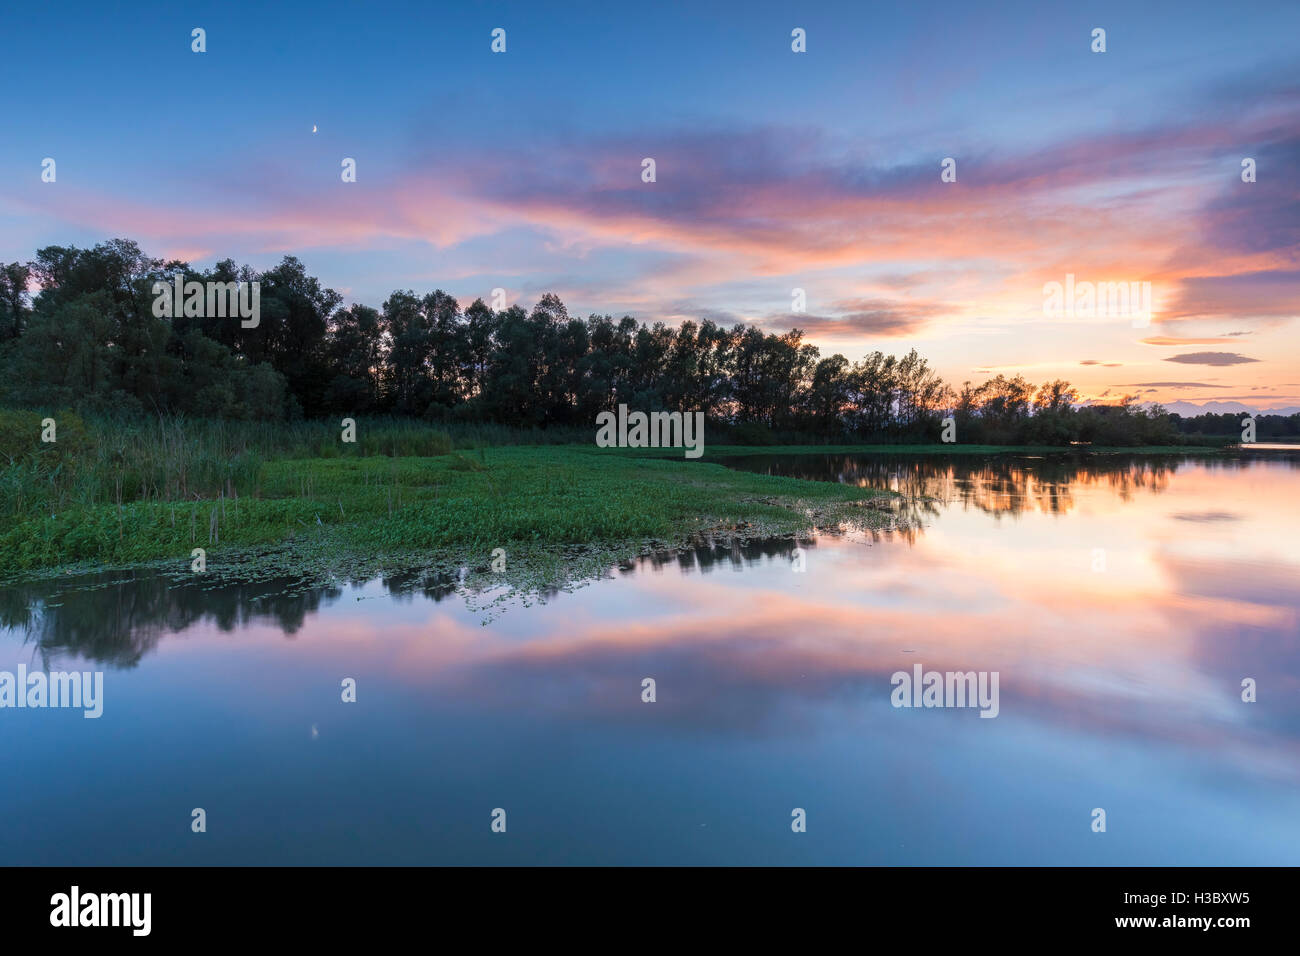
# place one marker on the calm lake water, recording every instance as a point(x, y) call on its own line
point(1121, 602)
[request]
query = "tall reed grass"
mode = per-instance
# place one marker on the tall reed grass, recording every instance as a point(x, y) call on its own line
point(98, 461)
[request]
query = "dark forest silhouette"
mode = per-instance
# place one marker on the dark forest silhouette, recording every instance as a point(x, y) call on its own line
point(90, 340)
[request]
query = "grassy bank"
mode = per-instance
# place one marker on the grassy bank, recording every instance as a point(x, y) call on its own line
point(294, 499)
point(557, 512)
point(106, 461)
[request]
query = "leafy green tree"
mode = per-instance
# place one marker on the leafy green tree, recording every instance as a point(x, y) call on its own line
point(355, 354)
point(446, 357)
point(829, 395)
point(14, 308)
point(407, 327)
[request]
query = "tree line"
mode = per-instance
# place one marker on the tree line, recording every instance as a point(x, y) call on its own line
point(89, 339)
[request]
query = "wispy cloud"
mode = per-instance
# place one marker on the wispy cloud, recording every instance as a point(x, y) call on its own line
point(1171, 385)
point(1210, 358)
point(1172, 340)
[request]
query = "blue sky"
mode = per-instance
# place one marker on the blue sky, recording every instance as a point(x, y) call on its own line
point(775, 170)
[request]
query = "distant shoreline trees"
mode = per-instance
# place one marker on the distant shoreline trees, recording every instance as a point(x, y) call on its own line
point(90, 340)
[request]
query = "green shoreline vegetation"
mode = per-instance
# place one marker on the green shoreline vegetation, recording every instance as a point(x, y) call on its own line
point(294, 500)
point(562, 513)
